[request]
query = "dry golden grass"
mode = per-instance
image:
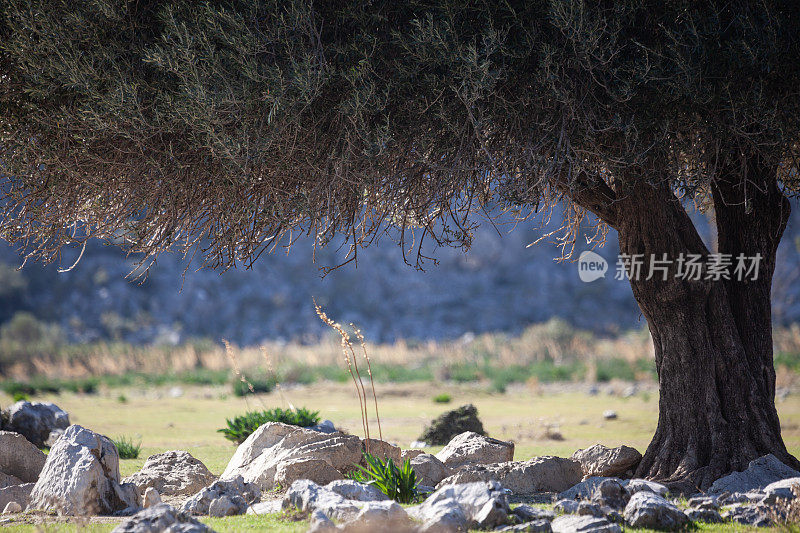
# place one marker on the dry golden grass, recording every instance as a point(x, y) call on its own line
point(551, 341)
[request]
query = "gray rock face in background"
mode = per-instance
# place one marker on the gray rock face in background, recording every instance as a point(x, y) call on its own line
point(500, 285)
point(35, 420)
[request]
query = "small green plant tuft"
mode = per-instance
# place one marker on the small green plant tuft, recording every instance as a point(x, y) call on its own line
point(241, 427)
point(126, 448)
point(20, 396)
point(122, 398)
point(442, 398)
point(398, 484)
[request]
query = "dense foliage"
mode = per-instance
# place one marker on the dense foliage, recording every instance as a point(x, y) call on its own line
point(398, 483)
point(223, 125)
point(241, 427)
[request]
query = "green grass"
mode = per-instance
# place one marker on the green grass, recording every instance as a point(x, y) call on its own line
point(190, 422)
point(442, 398)
point(498, 376)
point(127, 448)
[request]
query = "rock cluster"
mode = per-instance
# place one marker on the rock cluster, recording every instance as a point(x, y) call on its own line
point(467, 485)
point(223, 498)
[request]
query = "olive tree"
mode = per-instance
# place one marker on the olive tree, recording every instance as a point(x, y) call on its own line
point(227, 128)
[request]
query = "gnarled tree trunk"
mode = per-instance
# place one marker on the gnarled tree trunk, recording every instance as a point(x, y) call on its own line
point(713, 339)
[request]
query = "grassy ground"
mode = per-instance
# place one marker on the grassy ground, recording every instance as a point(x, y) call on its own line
point(529, 417)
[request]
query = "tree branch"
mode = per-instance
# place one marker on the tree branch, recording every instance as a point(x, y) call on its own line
point(593, 194)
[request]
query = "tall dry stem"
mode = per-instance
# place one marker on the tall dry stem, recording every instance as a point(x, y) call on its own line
point(349, 357)
point(369, 371)
point(231, 353)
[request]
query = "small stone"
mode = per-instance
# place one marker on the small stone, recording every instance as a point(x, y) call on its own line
point(751, 515)
point(238, 496)
point(151, 497)
point(12, 507)
point(410, 454)
point(585, 489)
point(534, 526)
point(266, 507)
point(326, 426)
point(566, 506)
point(161, 517)
point(353, 490)
point(583, 524)
point(610, 415)
point(528, 513)
point(649, 510)
point(710, 516)
point(223, 506)
point(704, 502)
point(321, 523)
point(307, 496)
point(638, 485)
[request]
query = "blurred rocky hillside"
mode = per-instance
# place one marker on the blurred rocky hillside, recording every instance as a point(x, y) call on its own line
point(500, 285)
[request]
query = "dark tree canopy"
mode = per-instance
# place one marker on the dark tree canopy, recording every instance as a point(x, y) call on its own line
point(228, 125)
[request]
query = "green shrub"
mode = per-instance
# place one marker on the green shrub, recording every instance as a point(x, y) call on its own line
point(399, 484)
point(241, 427)
point(442, 398)
point(126, 448)
point(614, 368)
point(20, 396)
